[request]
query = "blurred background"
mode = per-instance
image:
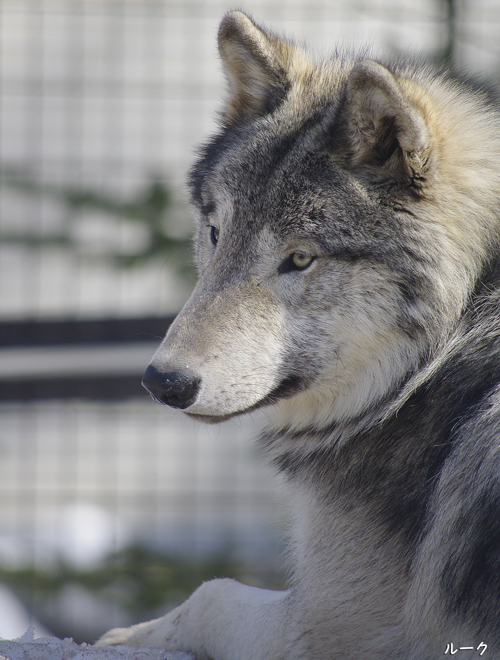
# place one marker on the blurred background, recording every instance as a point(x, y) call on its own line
point(112, 508)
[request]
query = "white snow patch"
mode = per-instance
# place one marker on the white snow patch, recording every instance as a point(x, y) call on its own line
point(14, 618)
point(51, 648)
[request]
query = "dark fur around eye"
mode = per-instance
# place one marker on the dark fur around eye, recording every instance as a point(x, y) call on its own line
point(214, 234)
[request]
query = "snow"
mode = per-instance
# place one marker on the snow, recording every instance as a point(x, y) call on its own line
point(14, 618)
point(51, 648)
point(37, 644)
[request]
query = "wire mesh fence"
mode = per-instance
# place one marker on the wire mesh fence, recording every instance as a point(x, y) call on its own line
point(101, 105)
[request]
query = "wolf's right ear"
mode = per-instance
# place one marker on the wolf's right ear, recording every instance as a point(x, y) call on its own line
point(386, 124)
point(255, 65)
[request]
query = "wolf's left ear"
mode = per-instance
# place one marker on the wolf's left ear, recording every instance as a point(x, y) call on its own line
point(255, 64)
point(385, 126)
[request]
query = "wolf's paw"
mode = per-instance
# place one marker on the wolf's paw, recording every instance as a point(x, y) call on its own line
point(159, 632)
point(114, 637)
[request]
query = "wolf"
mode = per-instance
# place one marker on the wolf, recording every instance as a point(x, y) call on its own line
point(348, 245)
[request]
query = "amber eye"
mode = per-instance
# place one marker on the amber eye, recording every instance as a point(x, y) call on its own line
point(214, 234)
point(301, 260)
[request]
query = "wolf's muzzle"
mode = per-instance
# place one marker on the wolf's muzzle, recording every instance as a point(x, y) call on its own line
point(177, 389)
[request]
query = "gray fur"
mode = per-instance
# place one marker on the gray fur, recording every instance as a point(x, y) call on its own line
point(348, 249)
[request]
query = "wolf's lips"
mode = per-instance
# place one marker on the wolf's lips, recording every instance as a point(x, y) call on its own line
point(287, 388)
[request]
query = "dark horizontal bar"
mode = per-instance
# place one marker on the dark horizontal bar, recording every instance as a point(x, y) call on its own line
point(72, 331)
point(98, 388)
point(102, 387)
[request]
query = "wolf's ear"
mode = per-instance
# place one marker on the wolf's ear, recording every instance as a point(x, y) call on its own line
point(255, 64)
point(385, 127)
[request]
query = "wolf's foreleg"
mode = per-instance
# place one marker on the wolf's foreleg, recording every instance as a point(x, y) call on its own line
point(222, 620)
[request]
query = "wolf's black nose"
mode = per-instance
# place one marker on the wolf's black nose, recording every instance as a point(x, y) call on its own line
point(177, 389)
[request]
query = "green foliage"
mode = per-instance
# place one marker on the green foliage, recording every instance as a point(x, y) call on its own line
point(143, 583)
point(150, 208)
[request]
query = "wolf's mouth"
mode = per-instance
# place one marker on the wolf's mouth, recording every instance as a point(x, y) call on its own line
point(286, 388)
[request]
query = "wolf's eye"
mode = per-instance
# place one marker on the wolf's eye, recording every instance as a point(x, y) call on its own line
point(214, 234)
point(301, 260)
point(296, 261)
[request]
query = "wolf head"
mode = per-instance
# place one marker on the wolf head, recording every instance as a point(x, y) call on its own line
point(344, 212)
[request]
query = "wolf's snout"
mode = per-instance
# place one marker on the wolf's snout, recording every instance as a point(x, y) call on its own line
point(177, 389)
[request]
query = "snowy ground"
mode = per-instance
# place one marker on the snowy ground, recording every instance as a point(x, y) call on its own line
point(37, 644)
point(51, 648)
point(14, 618)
